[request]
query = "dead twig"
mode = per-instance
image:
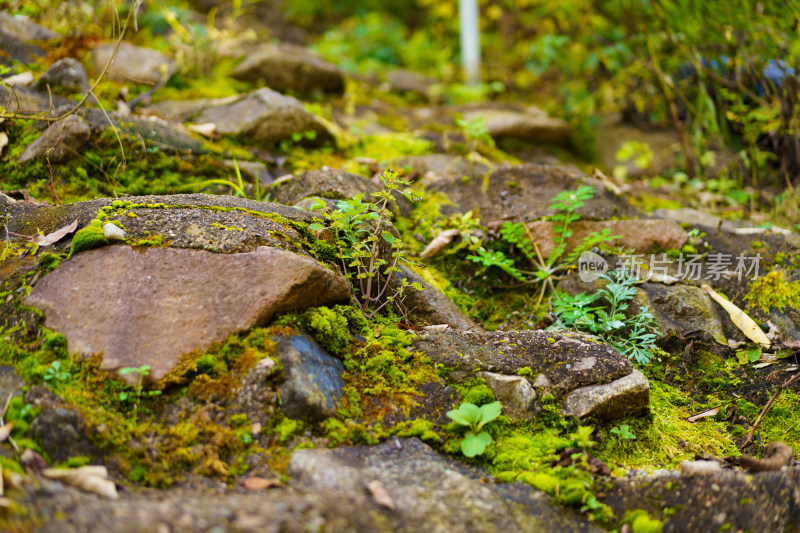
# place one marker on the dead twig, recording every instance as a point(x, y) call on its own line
point(766, 409)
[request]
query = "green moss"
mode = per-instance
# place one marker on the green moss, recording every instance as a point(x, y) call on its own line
point(773, 290)
point(331, 327)
point(665, 438)
point(86, 239)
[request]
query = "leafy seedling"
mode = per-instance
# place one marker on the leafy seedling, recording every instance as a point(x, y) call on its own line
point(54, 372)
point(473, 417)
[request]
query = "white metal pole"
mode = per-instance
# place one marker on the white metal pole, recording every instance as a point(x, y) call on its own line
point(470, 40)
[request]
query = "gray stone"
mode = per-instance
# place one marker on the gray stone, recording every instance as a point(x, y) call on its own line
point(739, 501)
point(21, 38)
point(154, 314)
point(429, 492)
point(60, 142)
point(407, 81)
point(622, 397)
point(65, 76)
point(436, 167)
point(184, 110)
point(62, 434)
point(314, 384)
point(265, 116)
point(525, 192)
point(10, 382)
point(532, 125)
point(284, 66)
point(326, 182)
point(133, 64)
point(430, 305)
point(514, 392)
point(569, 360)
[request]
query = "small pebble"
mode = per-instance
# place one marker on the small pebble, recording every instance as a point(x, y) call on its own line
point(112, 232)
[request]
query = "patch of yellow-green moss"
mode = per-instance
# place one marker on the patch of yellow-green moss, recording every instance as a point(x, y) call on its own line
point(773, 290)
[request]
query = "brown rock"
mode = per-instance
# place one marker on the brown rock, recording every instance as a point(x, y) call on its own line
point(641, 235)
point(151, 306)
point(525, 192)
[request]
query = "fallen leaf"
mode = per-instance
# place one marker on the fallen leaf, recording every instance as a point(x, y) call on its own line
point(260, 483)
point(52, 238)
point(380, 494)
point(5, 431)
point(439, 243)
point(762, 365)
point(6, 502)
point(746, 324)
point(704, 414)
point(90, 478)
point(437, 327)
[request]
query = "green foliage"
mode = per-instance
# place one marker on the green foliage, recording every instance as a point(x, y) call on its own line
point(474, 418)
point(330, 327)
point(516, 234)
point(238, 188)
point(363, 231)
point(54, 372)
point(634, 334)
point(623, 431)
point(773, 290)
point(138, 388)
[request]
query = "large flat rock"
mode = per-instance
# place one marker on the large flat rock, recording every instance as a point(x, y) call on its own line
point(525, 192)
point(567, 360)
point(150, 306)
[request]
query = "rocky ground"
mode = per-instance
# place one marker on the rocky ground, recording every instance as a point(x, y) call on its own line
point(182, 318)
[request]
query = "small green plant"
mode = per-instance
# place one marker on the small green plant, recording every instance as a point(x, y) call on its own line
point(238, 187)
point(474, 418)
point(545, 271)
point(362, 228)
point(633, 335)
point(623, 432)
point(54, 372)
point(138, 388)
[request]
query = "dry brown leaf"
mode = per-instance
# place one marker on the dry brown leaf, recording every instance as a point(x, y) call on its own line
point(52, 238)
point(380, 494)
point(746, 324)
point(260, 483)
point(5, 431)
point(90, 478)
point(704, 414)
point(439, 243)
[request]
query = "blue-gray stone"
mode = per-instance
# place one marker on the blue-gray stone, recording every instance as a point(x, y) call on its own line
point(314, 383)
